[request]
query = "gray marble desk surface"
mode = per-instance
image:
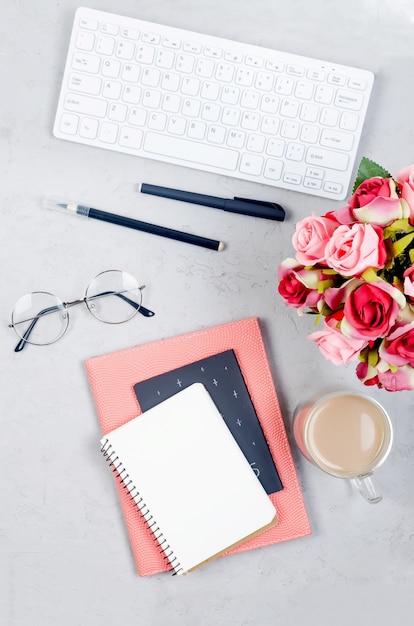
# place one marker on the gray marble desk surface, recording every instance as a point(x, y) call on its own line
point(65, 557)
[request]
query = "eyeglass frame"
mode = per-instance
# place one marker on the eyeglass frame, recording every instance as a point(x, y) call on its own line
point(66, 305)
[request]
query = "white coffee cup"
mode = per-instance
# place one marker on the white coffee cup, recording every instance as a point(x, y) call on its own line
point(347, 435)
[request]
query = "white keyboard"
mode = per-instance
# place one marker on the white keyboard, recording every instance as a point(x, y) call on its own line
point(212, 104)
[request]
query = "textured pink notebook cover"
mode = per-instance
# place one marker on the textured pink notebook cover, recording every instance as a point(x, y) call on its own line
point(112, 377)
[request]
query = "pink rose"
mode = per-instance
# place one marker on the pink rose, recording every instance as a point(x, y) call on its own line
point(297, 286)
point(334, 346)
point(376, 201)
point(353, 249)
point(371, 310)
point(311, 237)
point(400, 380)
point(409, 283)
point(343, 215)
point(398, 347)
point(405, 179)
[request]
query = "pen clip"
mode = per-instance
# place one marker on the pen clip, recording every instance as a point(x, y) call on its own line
point(270, 205)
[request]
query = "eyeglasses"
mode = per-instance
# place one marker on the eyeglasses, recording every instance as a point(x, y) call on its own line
point(41, 318)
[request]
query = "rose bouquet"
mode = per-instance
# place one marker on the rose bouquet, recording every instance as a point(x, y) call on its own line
point(354, 268)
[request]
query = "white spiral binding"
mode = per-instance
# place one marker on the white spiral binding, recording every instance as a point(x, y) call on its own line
point(117, 467)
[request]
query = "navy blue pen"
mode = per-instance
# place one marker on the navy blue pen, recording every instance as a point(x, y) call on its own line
point(243, 206)
point(85, 211)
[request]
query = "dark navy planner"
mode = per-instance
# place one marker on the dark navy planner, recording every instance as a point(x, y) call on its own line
point(221, 376)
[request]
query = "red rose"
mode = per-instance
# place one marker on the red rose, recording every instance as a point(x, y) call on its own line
point(369, 190)
point(293, 291)
point(297, 286)
point(398, 348)
point(371, 309)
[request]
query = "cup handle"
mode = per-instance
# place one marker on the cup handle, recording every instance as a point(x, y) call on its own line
point(368, 487)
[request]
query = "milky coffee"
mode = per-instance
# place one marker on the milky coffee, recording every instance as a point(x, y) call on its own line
point(347, 434)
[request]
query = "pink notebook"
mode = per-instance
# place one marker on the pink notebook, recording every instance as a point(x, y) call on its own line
point(112, 378)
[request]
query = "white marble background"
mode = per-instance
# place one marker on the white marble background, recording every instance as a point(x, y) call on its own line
point(65, 557)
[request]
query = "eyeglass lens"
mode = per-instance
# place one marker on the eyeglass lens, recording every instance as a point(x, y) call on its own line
point(40, 318)
point(113, 297)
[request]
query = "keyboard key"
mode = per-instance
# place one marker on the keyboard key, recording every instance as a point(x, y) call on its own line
point(69, 124)
point(86, 62)
point(292, 178)
point(290, 129)
point(165, 59)
point(171, 103)
point(295, 70)
point(336, 139)
point(333, 187)
point(212, 156)
point(216, 134)
point(85, 104)
point(327, 158)
point(177, 125)
point(312, 183)
point(85, 41)
point(130, 72)
point(130, 33)
point(324, 94)
point(250, 120)
point(309, 133)
point(236, 139)
point(204, 68)
point(137, 117)
point(329, 117)
point(145, 54)
point(230, 95)
point(273, 169)
point(88, 128)
point(108, 132)
point(315, 172)
point(130, 137)
point(349, 100)
point(105, 45)
point(196, 130)
point(349, 121)
point(109, 29)
point(213, 52)
point(157, 121)
point(125, 50)
point(111, 68)
point(132, 94)
point(117, 112)
point(251, 164)
point(295, 151)
point(184, 63)
point(85, 84)
point(88, 23)
point(255, 143)
point(112, 89)
point(275, 147)
point(284, 85)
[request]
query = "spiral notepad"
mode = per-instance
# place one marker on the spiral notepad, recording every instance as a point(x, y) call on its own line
point(189, 478)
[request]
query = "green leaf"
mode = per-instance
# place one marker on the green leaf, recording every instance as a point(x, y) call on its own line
point(369, 169)
point(401, 244)
point(370, 275)
point(373, 358)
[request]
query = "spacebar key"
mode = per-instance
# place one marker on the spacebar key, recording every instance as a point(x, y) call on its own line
point(177, 148)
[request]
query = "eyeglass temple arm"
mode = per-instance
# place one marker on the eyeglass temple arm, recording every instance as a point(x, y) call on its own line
point(24, 340)
point(141, 309)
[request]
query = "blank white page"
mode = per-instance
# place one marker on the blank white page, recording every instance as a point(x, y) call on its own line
point(194, 483)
